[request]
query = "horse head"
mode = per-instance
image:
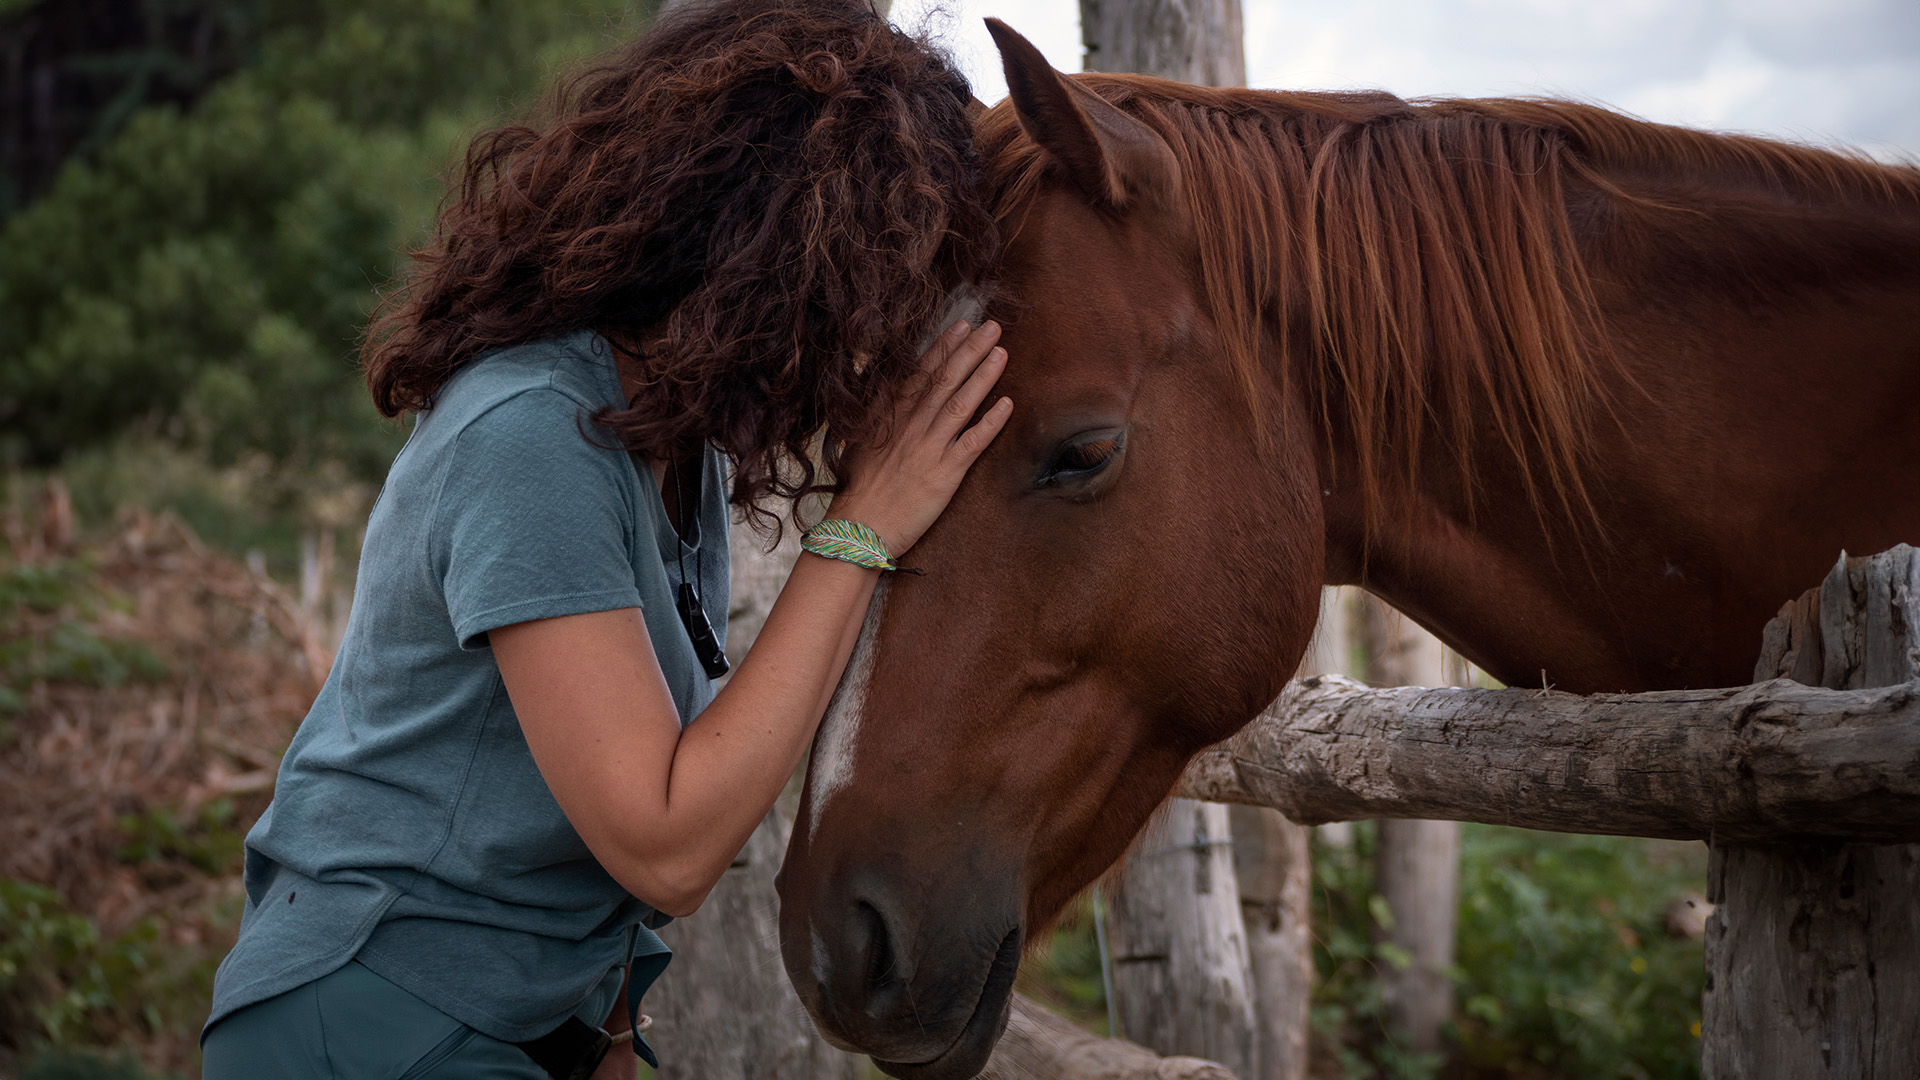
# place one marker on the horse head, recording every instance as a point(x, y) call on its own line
point(1126, 576)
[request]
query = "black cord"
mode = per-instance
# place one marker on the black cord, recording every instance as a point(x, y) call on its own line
point(680, 526)
point(693, 615)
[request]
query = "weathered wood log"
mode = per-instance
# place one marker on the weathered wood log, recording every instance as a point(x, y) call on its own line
point(1416, 861)
point(1813, 947)
point(1040, 1046)
point(1776, 759)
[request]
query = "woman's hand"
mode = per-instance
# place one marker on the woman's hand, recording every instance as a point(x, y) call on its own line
point(899, 488)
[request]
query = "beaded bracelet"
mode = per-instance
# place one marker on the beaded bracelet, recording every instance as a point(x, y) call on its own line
point(848, 541)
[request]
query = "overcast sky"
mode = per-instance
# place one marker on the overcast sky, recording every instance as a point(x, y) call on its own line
point(1823, 71)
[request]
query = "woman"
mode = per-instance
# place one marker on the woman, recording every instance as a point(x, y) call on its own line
point(720, 254)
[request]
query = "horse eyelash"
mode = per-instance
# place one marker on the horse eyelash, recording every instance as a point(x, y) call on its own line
point(1080, 459)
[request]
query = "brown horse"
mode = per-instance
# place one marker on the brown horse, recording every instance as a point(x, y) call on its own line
point(1587, 396)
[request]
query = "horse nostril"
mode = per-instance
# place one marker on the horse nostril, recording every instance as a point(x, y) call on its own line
point(880, 966)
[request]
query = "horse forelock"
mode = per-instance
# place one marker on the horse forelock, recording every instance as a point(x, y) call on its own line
point(1418, 264)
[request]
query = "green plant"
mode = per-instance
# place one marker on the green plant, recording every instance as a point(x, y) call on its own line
point(207, 840)
point(1566, 963)
point(64, 984)
point(202, 277)
point(1348, 1013)
point(48, 613)
point(56, 972)
point(1563, 964)
point(59, 1063)
point(1063, 968)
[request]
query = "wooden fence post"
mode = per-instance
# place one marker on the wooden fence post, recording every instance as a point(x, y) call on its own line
point(1273, 864)
point(1416, 862)
point(1196, 41)
point(1813, 948)
point(1179, 950)
point(1180, 943)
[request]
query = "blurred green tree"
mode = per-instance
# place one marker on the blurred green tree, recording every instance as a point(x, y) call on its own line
point(73, 71)
point(202, 277)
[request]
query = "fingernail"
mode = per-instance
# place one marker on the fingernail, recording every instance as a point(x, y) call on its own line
point(959, 328)
point(998, 354)
point(990, 325)
point(1003, 404)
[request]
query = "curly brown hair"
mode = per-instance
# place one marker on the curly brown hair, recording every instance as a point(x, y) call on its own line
point(759, 203)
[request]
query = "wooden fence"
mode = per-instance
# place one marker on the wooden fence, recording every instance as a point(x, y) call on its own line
point(1808, 794)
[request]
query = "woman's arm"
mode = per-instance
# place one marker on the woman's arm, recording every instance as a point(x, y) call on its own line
point(665, 811)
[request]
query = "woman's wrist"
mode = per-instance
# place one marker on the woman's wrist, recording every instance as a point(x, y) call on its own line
point(890, 531)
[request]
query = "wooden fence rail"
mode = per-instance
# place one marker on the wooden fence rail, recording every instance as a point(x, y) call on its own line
point(1775, 759)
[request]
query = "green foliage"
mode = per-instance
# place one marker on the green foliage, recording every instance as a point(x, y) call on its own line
point(87, 68)
point(207, 840)
point(203, 277)
point(1063, 970)
point(1568, 965)
point(1349, 1012)
point(65, 1064)
point(65, 984)
point(48, 632)
point(59, 975)
point(1564, 967)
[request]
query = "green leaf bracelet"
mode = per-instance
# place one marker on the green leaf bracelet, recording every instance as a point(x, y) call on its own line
point(849, 541)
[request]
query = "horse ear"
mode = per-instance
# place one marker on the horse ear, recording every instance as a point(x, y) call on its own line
point(1114, 158)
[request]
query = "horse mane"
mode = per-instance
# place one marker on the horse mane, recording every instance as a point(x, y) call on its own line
point(1422, 258)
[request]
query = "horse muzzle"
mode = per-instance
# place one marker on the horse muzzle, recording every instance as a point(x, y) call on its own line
point(925, 990)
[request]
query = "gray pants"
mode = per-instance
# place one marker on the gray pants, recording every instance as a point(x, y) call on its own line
point(355, 1025)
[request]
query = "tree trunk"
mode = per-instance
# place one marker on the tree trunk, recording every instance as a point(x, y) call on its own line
point(725, 1010)
point(1337, 649)
point(1813, 947)
point(1179, 951)
point(1417, 863)
point(1196, 41)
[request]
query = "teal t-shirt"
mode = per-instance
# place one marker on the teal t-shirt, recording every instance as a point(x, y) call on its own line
point(409, 826)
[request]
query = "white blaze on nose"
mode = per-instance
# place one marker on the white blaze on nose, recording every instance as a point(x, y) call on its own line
point(832, 764)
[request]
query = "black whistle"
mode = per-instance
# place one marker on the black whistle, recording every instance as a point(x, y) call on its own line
point(700, 632)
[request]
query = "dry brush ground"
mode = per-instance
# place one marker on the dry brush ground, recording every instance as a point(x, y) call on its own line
point(153, 685)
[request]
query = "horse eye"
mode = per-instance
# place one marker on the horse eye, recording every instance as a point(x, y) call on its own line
point(1082, 458)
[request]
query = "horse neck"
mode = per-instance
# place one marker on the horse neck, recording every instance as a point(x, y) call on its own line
point(1760, 420)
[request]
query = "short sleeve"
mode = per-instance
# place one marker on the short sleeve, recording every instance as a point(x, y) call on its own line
point(532, 520)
